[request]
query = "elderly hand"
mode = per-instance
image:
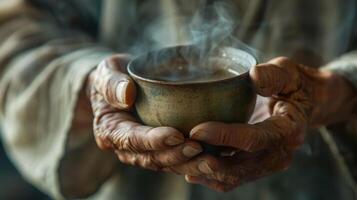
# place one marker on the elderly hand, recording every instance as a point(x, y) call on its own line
point(112, 94)
point(299, 97)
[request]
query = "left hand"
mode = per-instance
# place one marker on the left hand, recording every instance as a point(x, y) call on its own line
point(299, 97)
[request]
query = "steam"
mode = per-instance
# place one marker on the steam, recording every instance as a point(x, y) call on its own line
point(212, 25)
point(205, 26)
point(202, 32)
point(159, 24)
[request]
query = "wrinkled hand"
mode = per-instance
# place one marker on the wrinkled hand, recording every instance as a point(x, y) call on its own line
point(299, 97)
point(112, 94)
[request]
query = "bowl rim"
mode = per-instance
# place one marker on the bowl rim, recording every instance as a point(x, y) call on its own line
point(178, 83)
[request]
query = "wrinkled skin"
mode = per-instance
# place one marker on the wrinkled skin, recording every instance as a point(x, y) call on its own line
point(112, 94)
point(298, 98)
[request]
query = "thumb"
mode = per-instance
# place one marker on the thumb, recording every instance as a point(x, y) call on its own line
point(278, 76)
point(113, 83)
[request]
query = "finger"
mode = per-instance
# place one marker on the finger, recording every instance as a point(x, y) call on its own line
point(127, 135)
point(159, 159)
point(279, 75)
point(234, 172)
point(115, 129)
point(112, 82)
point(212, 184)
point(254, 168)
point(177, 155)
point(285, 127)
point(202, 165)
point(207, 167)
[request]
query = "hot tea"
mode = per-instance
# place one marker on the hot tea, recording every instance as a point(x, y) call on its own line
point(181, 70)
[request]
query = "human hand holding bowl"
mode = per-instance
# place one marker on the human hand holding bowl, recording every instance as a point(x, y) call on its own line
point(300, 97)
point(112, 94)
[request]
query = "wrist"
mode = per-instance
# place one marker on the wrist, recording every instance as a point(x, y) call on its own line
point(335, 98)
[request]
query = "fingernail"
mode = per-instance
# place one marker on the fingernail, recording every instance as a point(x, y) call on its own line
point(121, 91)
point(173, 140)
point(198, 135)
point(187, 178)
point(190, 151)
point(204, 168)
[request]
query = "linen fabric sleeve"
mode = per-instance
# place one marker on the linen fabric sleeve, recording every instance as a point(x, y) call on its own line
point(43, 69)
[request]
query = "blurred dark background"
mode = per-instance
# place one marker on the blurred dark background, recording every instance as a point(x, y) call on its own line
point(12, 185)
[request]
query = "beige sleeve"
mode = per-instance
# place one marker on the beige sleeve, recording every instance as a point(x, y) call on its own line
point(42, 71)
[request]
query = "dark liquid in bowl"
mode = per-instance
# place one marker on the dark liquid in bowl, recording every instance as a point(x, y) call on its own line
point(180, 70)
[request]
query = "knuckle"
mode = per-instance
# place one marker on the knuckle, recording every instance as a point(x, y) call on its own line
point(146, 161)
point(159, 138)
point(154, 138)
point(103, 143)
point(129, 140)
point(102, 138)
point(176, 158)
point(282, 60)
point(261, 72)
point(120, 138)
point(122, 158)
point(149, 162)
point(212, 162)
point(143, 161)
point(129, 159)
point(267, 78)
point(168, 159)
point(227, 178)
point(134, 160)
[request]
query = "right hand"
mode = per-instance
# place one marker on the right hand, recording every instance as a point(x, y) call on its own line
point(112, 95)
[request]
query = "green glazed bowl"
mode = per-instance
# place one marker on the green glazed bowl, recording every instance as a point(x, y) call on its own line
point(185, 104)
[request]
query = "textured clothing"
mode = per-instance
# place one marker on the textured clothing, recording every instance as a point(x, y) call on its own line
point(47, 49)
